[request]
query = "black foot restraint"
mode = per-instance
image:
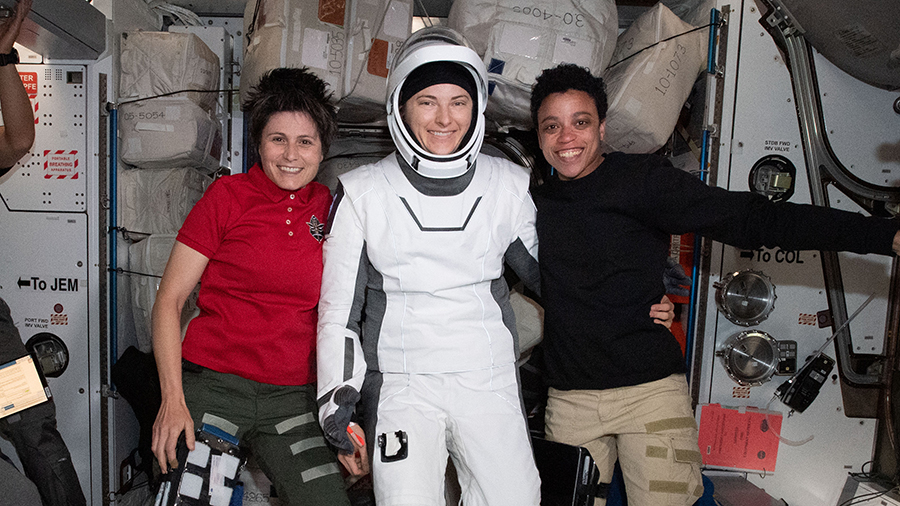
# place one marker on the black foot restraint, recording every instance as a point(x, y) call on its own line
point(207, 475)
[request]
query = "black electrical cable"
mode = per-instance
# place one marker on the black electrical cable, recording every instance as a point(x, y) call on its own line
point(252, 27)
point(657, 43)
point(120, 270)
point(865, 497)
point(127, 233)
point(866, 475)
point(869, 476)
point(135, 100)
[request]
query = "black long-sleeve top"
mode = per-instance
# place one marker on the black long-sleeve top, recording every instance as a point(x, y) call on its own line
point(603, 242)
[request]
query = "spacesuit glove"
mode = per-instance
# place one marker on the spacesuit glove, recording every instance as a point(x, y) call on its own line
point(335, 425)
point(675, 279)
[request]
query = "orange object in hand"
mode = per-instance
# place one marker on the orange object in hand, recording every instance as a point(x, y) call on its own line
point(355, 436)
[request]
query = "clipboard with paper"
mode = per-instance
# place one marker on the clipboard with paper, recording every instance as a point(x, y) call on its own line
point(22, 385)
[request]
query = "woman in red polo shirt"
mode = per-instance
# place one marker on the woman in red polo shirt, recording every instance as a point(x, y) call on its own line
point(254, 241)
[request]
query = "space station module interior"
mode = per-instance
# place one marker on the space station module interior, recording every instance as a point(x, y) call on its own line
point(789, 354)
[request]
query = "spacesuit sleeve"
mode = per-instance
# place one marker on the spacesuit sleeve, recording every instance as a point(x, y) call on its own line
point(339, 358)
point(522, 252)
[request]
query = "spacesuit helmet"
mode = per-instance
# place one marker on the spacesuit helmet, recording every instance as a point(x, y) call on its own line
point(427, 47)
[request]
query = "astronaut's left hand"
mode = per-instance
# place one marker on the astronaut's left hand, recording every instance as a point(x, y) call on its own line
point(663, 313)
point(356, 463)
point(335, 425)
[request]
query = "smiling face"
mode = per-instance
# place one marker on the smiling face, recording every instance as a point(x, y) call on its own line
point(439, 116)
point(290, 149)
point(570, 133)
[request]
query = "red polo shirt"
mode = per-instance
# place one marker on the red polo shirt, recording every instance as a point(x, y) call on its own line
point(259, 292)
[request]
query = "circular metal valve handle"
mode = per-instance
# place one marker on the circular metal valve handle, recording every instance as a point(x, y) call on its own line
point(746, 298)
point(750, 357)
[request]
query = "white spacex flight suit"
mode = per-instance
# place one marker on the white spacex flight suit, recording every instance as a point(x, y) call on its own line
point(438, 334)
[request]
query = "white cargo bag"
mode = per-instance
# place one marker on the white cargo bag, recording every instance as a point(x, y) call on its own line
point(149, 258)
point(647, 91)
point(155, 63)
point(294, 33)
point(158, 201)
point(375, 32)
point(518, 40)
point(165, 133)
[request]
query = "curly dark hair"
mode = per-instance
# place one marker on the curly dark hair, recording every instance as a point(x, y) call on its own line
point(565, 77)
point(291, 90)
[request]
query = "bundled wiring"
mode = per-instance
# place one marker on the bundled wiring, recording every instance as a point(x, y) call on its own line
point(179, 14)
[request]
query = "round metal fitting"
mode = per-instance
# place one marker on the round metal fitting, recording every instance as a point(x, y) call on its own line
point(773, 177)
point(746, 297)
point(51, 353)
point(750, 357)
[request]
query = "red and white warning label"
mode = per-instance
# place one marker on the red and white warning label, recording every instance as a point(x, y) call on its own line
point(29, 80)
point(60, 164)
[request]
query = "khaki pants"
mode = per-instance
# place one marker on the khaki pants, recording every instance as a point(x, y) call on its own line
point(649, 428)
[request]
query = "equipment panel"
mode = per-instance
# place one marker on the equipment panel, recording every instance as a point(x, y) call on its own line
point(762, 150)
point(52, 177)
point(45, 263)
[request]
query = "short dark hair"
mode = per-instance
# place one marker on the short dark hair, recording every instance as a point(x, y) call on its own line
point(565, 77)
point(291, 90)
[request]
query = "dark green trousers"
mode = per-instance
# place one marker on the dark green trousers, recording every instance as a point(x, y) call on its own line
point(280, 427)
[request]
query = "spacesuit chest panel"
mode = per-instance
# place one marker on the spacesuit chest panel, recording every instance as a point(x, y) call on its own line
point(437, 257)
point(434, 243)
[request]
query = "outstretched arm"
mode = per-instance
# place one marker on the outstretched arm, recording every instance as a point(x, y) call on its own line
point(746, 220)
point(17, 132)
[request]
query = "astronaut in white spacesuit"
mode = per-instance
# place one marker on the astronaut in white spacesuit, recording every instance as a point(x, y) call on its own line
point(426, 232)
